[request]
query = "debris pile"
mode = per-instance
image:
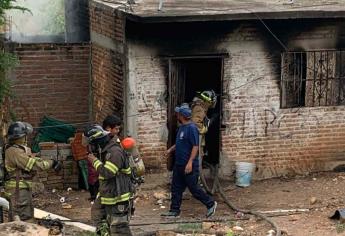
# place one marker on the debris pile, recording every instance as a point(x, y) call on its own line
point(20, 228)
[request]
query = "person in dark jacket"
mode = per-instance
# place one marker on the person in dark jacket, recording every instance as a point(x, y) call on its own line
point(111, 210)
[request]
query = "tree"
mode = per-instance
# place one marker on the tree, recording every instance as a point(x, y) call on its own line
point(6, 5)
point(7, 62)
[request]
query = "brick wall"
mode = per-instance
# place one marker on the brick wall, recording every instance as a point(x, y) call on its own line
point(51, 80)
point(107, 21)
point(149, 93)
point(69, 174)
point(107, 85)
point(107, 60)
point(279, 141)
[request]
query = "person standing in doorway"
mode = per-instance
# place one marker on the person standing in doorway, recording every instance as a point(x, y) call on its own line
point(202, 102)
point(186, 169)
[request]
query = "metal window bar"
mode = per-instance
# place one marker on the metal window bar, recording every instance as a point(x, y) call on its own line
point(313, 78)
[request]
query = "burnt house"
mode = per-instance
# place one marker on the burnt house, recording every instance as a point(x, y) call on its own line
point(277, 65)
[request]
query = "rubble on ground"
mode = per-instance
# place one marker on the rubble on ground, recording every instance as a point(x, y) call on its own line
point(21, 228)
point(161, 195)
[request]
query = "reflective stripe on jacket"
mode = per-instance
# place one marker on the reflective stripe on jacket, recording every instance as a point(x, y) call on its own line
point(114, 174)
point(19, 158)
point(114, 200)
point(11, 184)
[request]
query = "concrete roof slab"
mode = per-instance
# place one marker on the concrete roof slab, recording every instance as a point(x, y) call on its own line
point(203, 10)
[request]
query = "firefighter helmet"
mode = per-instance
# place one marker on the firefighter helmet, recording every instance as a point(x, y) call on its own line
point(18, 130)
point(208, 96)
point(95, 133)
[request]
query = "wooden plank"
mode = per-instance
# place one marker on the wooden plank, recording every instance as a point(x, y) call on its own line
point(40, 214)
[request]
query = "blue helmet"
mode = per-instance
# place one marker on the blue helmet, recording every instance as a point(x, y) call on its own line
point(18, 130)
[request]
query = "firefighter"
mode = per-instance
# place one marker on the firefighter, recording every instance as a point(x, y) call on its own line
point(20, 168)
point(200, 105)
point(112, 124)
point(112, 207)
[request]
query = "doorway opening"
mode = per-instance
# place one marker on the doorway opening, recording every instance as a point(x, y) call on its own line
point(186, 78)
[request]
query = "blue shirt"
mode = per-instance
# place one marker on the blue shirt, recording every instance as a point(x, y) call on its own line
point(187, 137)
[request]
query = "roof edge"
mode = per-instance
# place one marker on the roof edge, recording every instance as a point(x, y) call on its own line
point(238, 16)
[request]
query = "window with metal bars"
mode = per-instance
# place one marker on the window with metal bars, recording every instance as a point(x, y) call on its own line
point(313, 78)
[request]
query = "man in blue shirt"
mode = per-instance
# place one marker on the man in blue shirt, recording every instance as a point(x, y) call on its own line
point(186, 167)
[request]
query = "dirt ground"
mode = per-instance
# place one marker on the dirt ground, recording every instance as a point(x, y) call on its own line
point(320, 193)
point(78, 200)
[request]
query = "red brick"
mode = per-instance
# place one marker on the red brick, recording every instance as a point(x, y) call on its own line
point(53, 80)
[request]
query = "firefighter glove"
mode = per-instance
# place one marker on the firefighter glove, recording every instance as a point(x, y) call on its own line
point(57, 165)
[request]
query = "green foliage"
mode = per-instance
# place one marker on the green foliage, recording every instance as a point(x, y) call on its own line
point(7, 61)
point(340, 228)
point(190, 226)
point(8, 5)
point(229, 233)
point(55, 15)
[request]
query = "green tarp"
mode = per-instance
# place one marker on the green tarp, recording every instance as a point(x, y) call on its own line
point(52, 130)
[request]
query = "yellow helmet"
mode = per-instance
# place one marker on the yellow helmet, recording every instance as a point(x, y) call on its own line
point(208, 96)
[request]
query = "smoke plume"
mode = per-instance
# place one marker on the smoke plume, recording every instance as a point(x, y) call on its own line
point(44, 23)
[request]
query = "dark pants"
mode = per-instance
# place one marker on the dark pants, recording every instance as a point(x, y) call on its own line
point(179, 183)
point(93, 189)
point(23, 207)
point(116, 217)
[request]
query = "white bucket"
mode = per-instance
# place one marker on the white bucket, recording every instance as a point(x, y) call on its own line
point(244, 171)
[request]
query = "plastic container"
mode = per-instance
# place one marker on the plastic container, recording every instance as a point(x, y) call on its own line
point(244, 171)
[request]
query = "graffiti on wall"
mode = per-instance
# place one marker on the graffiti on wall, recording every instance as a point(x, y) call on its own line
point(260, 122)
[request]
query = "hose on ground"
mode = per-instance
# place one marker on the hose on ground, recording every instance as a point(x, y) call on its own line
point(217, 186)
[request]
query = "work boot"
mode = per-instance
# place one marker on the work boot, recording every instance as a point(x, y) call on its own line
point(211, 210)
point(171, 214)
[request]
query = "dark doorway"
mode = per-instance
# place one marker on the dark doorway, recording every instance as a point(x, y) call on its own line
point(186, 78)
